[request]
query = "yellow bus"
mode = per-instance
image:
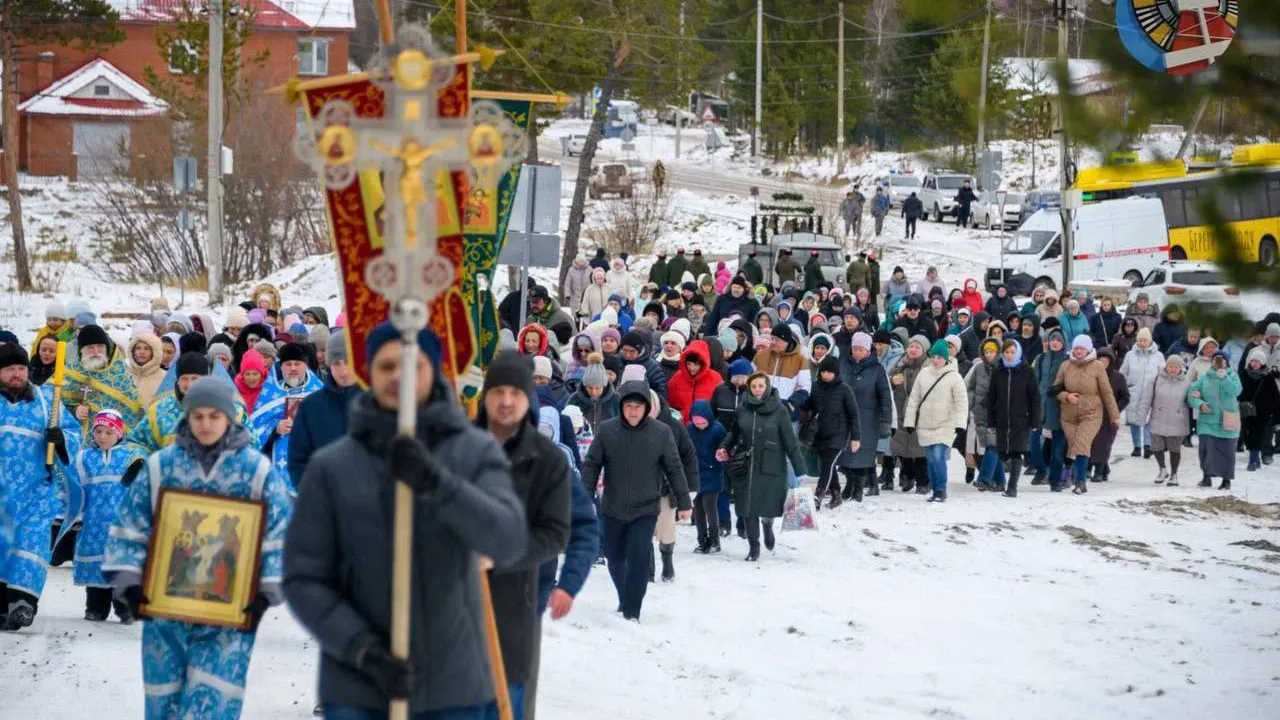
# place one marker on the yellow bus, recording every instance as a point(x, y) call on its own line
point(1252, 213)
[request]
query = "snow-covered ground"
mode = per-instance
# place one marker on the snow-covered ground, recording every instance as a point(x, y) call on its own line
point(1134, 601)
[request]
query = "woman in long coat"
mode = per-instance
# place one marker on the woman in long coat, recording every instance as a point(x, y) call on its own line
point(1049, 445)
point(764, 435)
point(1260, 388)
point(834, 413)
point(1170, 417)
point(981, 438)
point(1140, 367)
point(864, 374)
point(1084, 392)
point(1012, 410)
point(1100, 451)
point(905, 446)
point(1216, 395)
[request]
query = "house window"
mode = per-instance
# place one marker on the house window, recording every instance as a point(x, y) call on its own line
point(101, 90)
point(182, 56)
point(313, 56)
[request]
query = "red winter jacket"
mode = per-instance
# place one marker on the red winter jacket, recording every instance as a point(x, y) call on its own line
point(973, 298)
point(683, 389)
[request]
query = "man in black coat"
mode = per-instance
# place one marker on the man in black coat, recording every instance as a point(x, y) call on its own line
point(541, 478)
point(638, 457)
point(915, 322)
point(737, 299)
point(337, 559)
point(509, 308)
point(322, 415)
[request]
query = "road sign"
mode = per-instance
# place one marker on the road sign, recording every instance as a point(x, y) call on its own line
point(543, 250)
point(184, 173)
point(708, 115)
point(546, 200)
point(628, 134)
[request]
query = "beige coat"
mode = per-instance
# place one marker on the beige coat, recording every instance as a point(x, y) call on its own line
point(1082, 420)
point(147, 377)
point(945, 409)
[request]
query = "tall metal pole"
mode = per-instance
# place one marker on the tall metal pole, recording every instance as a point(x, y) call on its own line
point(755, 135)
point(840, 94)
point(213, 184)
point(982, 86)
point(528, 241)
point(680, 84)
point(1064, 93)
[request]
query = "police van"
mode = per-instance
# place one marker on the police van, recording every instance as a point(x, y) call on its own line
point(1114, 239)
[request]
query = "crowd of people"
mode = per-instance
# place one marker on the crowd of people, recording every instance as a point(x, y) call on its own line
point(610, 415)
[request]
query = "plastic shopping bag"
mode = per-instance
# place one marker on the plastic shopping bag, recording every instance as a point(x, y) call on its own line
point(798, 511)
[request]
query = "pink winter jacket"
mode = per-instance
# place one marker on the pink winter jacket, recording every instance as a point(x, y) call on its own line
point(723, 277)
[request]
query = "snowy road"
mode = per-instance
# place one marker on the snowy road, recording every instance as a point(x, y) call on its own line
point(1048, 606)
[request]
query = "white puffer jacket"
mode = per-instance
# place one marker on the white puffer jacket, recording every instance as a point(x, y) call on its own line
point(937, 414)
point(1139, 369)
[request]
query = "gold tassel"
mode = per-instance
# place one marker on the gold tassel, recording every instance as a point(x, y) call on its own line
point(487, 56)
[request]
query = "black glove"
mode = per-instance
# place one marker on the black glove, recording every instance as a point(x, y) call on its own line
point(55, 435)
point(393, 676)
point(256, 610)
point(133, 596)
point(961, 436)
point(414, 464)
point(131, 472)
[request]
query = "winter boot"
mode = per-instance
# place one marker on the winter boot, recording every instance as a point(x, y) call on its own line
point(704, 542)
point(724, 530)
point(874, 487)
point(753, 552)
point(95, 615)
point(123, 614)
point(713, 544)
point(856, 483)
point(847, 494)
point(1225, 485)
point(836, 501)
point(1205, 482)
point(769, 539)
point(1255, 461)
point(1137, 452)
point(968, 475)
point(1147, 452)
point(1172, 481)
point(1011, 484)
point(668, 564)
point(886, 475)
point(1039, 477)
point(742, 529)
point(1164, 475)
point(922, 487)
point(1105, 471)
point(21, 615)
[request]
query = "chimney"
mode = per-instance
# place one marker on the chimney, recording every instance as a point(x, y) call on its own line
point(44, 69)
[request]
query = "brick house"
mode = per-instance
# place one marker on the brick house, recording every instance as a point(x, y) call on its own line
point(77, 110)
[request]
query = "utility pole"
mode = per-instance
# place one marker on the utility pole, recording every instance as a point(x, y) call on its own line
point(1064, 93)
point(755, 135)
point(213, 184)
point(840, 95)
point(680, 83)
point(982, 87)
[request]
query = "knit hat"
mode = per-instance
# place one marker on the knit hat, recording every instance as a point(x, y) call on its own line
point(252, 360)
point(7, 336)
point(257, 316)
point(920, 340)
point(613, 364)
point(191, 363)
point(635, 340)
point(266, 349)
point(860, 340)
point(728, 340)
point(821, 340)
point(741, 282)
point(319, 335)
point(1260, 354)
point(681, 325)
point(506, 341)
point(940, 349)
point(993, 344)
point(1273, 330)
point(55, 311)
point(594, 375)
point(111, 420)
point(882, 337)
point(829, 364)
point(208, 392)
point(633, 373)
point(784, 333)
point(218, 350)
point(964, 310)
point(76, 306)
point(91, 335)
point(1050, 323)
point(1144, 334)
point(741, 366)
point(955, 343)
point(511, 369)
point(193, 342)
point(293, 351)
point(673, 336)
point(1082, 341)
point(141, 327)
point(542, 367)
point(11, 354)
point(237, 317)
point(384, 333)
point(336, 348)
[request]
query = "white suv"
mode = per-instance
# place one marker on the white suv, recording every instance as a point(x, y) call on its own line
point(939, 192)
point(1180, 281)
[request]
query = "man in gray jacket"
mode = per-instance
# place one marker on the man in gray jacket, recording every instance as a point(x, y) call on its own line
point(338, 548)
point(638, 456)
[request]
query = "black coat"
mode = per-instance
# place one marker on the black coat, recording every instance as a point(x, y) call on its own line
point(1259, 388)
point(835, 412)
point(541, 478)
point(764, 432)
point(725, 401)
point(638, 461)
point(1166, 333)
point(1013, 406)
point(1000, 308)
point(726, 305)
point(912, 208)
point(874, 399)
point(337, 568)
point(1104, 327)
point(684, 447)
point(923, 325)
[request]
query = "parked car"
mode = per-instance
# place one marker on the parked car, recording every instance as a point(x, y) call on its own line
point(1039, 200)
point(986, 212)
point(575, 145)
point(939, 190)
point(899, 187)
point(639, 171)
point(1182, 282)
point(670, 113)
point(612, 179)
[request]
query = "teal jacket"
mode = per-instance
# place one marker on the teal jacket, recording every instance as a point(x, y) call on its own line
point(1221, 394)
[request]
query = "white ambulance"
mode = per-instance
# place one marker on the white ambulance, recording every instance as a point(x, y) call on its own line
point(1113, 239)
